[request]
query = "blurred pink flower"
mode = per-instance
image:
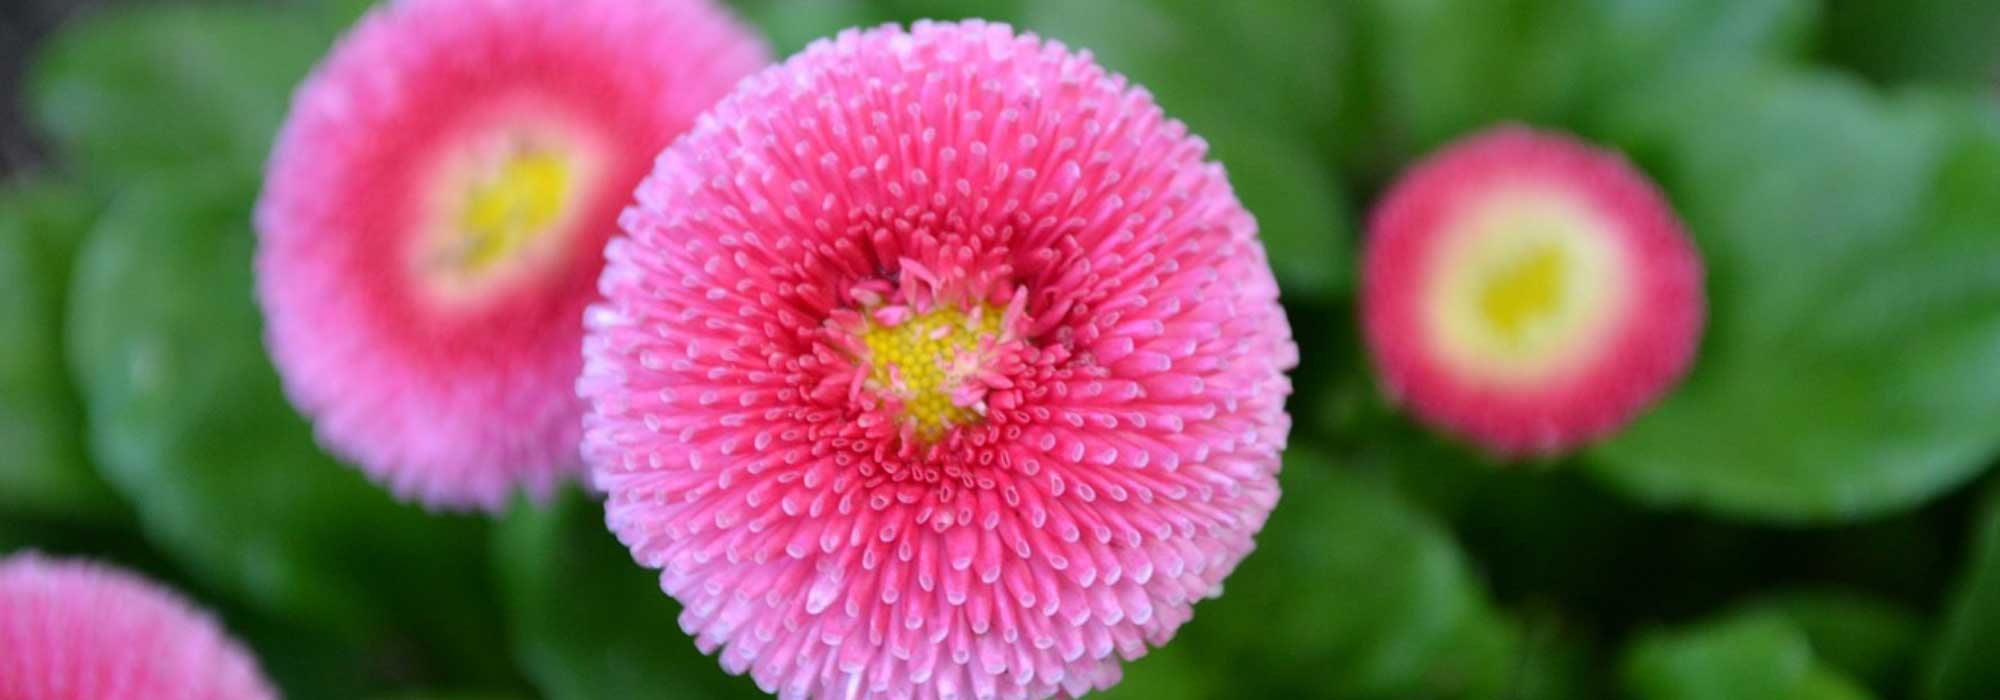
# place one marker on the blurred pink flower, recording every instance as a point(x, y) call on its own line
point(80, 631)
point(434, 218)
point(1529, 292)
point(937, 364)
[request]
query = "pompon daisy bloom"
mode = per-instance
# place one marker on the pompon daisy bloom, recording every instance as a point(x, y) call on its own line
point(937, 364)
point(434, 219)
point(80, 631)
point(1529, 292)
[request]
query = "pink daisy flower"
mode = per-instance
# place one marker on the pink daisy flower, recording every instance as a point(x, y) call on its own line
point(434, 218)
point(937, 364)
point(1529, 292)
point(80, 631)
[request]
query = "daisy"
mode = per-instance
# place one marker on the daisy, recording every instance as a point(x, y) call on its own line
point(79, 631)
point(435, 214)
point(937, 364)
point(1529, 292)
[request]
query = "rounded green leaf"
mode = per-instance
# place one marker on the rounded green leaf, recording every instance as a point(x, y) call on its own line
point(187, 421)
point(142, 88)
point(43, 470)
point(1850, 243)
point(1746, 657)
point(590, 624)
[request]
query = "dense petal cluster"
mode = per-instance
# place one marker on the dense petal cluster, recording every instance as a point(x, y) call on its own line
point(937, 364)
point(435, 215)
point(80, 631)
point(1529, 292)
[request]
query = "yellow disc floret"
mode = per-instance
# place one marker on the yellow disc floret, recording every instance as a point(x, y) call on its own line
point(521, 201)
point(500, 213)
point(1525, 290)
point(1524, 282)
point(922, 361)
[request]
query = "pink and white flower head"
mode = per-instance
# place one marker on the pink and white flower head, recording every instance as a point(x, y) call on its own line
point(434, 220)
point(1529, 292)
point(937, 364)
point(80, 631)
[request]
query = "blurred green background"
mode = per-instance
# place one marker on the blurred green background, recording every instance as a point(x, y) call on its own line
point(1808, 516)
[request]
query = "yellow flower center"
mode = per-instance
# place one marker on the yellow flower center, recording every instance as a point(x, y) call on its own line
point(1525, 291)
point(922, 361)
point(1525, 281)
point(521, 202)
point(501, 213)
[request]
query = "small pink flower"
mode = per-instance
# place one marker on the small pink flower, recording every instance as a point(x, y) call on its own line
point(937, 364)
point(1529, 292)
point(81, 631)
point(435, 214)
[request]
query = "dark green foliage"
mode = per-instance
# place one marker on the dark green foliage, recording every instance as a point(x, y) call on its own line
point(589, 624)
point(1854, 238)
point(1961, 662)
point(1805, 518)
point(45, 474)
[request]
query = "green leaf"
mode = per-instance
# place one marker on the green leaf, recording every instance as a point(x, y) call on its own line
point(187, 420)
point(587, 622)
point(1172, 672)
point(143, 88)
point(1751, 657)
point(43, 470)
point(1900, 41)
point(1653, 39)
point(1351, 594)
point(1261, 82)
point(1961, 666)
point(1870, 640)
point(1853, 252)
point(1443, 68)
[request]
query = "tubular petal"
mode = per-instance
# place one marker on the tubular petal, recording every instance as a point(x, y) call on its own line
point(937, 364)
point(81, 631)
point(434, 218)
point(1529, 292)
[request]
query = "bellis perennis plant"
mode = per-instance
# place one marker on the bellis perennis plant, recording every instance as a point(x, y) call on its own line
point(73, 630)
point(1529, 292)
point(435, 215)
point(937, 364)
